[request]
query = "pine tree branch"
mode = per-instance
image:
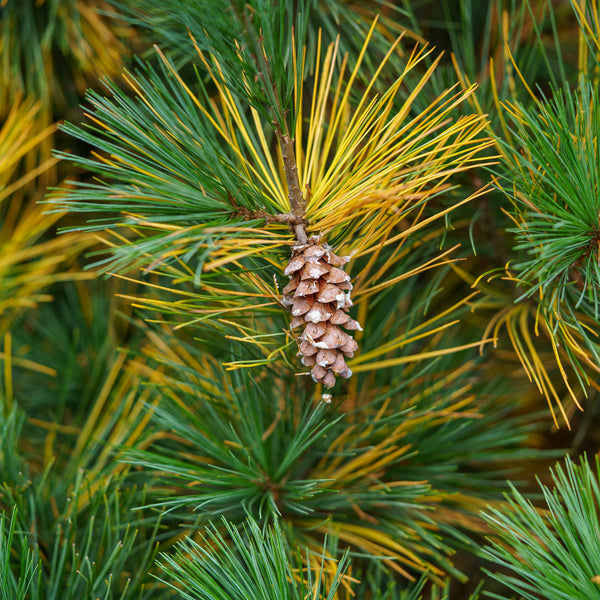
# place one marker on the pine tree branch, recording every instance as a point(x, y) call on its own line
point(291, 174)
point(297, 203)
point(289, 218)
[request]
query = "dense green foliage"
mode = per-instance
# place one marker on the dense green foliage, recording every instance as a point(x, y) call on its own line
point(160, 435)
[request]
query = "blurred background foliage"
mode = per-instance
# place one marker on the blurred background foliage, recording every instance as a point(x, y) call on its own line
point(156, 439)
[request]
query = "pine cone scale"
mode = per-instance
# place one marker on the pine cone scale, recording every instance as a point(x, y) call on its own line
point(318, 295)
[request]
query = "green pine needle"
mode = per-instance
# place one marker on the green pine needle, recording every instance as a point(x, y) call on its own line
point(555, 190)
point(259, 447)
point(552, 553)
point(254, 564)
point(15, 587)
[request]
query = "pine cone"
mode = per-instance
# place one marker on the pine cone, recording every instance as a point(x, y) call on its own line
point(318, 296)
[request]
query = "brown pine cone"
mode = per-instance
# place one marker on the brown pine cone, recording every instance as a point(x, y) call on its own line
point(318, 296)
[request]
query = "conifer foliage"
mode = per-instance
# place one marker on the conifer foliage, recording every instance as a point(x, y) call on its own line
point(282, 312)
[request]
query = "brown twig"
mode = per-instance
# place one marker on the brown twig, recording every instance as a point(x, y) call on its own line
point(248, 215)
point(297, 203)
point(291, 174)
point(286, 144)
point(297, 224)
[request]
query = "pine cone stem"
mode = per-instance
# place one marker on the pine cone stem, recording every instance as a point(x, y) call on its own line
point(300, 232)
point(290, 167)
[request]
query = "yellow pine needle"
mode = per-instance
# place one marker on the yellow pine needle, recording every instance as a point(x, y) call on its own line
point(413, 334)
point(212, 313)
point(444, 381)
point(27, 178)
point(259, 247)
point(402, 360)
point(375, 542)
point(368, 462)
point(100, 401)
point(178, 308)
point(278, 353)
point(159, 348)
point(575, 346)
point(366, 248)
point(132, 424)
point(18, 136)
point(305, 151)
point(28, 364)
point(455, 411)
point(589, 32)
point(334, 455)
point(563, 372)
point(139, 221)
point(366, 278)
point(498, 105)
point(512, 61)
point(151, 285)
point(435, 262)
point(8, 382)
point(538, 371)
point(245, 364)
point(262, 340)
point(399, 343)
point(213, 290)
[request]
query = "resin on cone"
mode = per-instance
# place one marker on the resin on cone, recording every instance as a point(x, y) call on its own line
point(318, 296)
